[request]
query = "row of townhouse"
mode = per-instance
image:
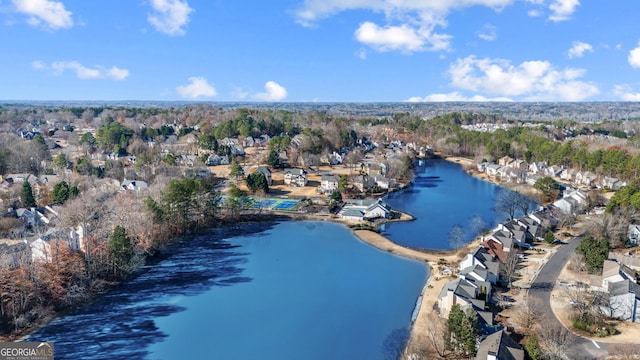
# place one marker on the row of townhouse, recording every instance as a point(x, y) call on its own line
point(478, 274)
point(519, 171)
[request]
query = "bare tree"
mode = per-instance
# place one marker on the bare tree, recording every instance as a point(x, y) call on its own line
point(509, 267)
point(436, 336)
point(529, 314)
point(509, 202)
point(456, 236)
point(555, 340)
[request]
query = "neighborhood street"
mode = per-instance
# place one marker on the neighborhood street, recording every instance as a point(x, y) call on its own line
point(580, 348)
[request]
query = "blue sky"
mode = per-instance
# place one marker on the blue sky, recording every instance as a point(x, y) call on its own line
point(320, 50)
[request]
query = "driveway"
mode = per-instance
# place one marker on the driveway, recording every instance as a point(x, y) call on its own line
point(580, 348)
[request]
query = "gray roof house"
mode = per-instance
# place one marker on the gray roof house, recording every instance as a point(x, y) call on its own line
point(499, 346)
point(624, 300)
point(264, 171)
point(295, 177)
point(379, 209)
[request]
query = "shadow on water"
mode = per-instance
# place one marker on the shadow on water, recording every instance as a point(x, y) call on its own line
point(121, 324)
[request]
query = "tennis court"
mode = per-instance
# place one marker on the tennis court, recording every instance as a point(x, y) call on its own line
point(265, 203)
point(286, 205)
point(276, 204)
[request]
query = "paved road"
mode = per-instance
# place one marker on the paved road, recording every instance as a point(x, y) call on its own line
point(541, 287)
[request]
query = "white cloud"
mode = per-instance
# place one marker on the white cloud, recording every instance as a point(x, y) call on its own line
point(170, 16)
point(578, 49)
point(273, 92)
point(625, 92)
point(634, 57)
point(411, 24)
point(531, 80)
point(562, 10)
point(456, 97)
point(117, 73)
point(50, 14)
point(81, 71)
point(488, 33)
point(197, 87)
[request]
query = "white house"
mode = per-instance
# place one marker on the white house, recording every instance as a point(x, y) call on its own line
point(633, 234)
point(328, 184)
point(295, 177)
point(379, 209)
point(537, 167)
point(613, 272)
point(40, 251)
point(492, 169)
point(624, 300)
point(133, 185)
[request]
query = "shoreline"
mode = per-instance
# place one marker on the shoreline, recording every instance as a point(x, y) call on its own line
point(432, 286)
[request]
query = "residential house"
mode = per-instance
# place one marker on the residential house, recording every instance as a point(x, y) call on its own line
point(215, 160)
point(492, 169)
point(379, 209)
point(237, 150)
point(482, 258)
point(335, 158)
point(482, 167)
point(613, 272)
point(187, 160)
point(248, 142)
point(502, 237)
point(350, 212)
point(518, 231)
point(519, 164)
point(568, 175)
point(545, 218)
point(573, 202)
point(503, 171)
point(499, 346)
point(295, 177)
point(533, 178)
point(534, 230)
point(229, 142)
point(586, 178)
point(40, 251)
point(463, 292)
point(264, 171)
point(612, 183)
point(505, 161)
point(200, 172)
point(135, 185)
point(363, 183)
point(328, 184)
point(537, 167)
point(478, 273)
point(633, 234)
point(553, 171)
point(624, 300)
point(382, 182)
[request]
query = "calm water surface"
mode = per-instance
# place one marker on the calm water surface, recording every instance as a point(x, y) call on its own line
point(442, 196)
point(290, 290)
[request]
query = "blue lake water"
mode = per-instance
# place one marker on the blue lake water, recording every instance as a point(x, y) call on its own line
point(442, 196)
point(288, 290)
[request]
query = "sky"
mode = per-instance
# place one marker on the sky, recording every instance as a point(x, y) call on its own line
point(320, 50)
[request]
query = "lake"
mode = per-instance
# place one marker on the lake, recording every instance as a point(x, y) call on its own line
point(286, 290)
point(442, 196)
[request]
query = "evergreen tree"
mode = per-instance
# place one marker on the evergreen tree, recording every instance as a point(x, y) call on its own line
point(463, 330)
point(121, 251)
point(595, 252)
point(28, 200)
point(274, 159)
point(60, 192)
point(257, 182)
